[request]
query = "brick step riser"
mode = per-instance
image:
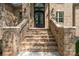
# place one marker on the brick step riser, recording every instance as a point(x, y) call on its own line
point(41, 41)
point(54, 48)
point(40, 50)
point(39, 45)
point(38, 37)
point(38, 42)
point(37, 33)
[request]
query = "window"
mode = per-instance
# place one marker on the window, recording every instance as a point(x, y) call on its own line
point(60, 16)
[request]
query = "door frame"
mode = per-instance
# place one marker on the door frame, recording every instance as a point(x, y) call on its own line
point(31, 18)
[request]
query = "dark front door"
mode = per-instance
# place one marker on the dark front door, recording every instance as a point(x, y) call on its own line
point(39, 19)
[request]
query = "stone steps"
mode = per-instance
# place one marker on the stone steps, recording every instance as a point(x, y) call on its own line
point(38, 36)
point(38, 40)
point(37, 32)
point(39, 43)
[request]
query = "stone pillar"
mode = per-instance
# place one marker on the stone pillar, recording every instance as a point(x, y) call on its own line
point(16, 38)
point(69, 42)
point(26, 13)
point(10, 42)
point(7, 43)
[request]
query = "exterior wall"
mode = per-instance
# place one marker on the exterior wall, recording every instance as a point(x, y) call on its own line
point(77, 19)
point(68, 14)
point(56, 7)
point(67, 8)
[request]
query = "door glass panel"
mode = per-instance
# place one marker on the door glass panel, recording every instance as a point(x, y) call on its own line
point(61, 14)
point(39, 22)
point(41, 18)
point(36, 17)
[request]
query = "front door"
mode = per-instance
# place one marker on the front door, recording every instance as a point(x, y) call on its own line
point(39, 19)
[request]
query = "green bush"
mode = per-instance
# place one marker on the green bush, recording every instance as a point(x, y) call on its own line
point(77, 48)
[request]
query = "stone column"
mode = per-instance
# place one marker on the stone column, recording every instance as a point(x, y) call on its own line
point(7, 43)
point(10, 42)
point(26, 13)
point(69, 42)
point(16, 43)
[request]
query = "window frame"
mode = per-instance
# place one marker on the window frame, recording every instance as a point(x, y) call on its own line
point(58, 18)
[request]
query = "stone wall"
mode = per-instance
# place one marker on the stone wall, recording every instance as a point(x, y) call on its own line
point(59, 36)
point(11, 35)
point(65, 38)
point(68, 14)
point(9, 7)
point(76, 18)
point(10, 40)
point(69, 41)
point(10, 17)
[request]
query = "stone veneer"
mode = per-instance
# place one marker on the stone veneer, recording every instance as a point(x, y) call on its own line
point(11, 36)
point(10, 41)
point(65, 38)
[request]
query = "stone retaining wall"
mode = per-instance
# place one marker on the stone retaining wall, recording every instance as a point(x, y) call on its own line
point(11, 36)
point(64, 37)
